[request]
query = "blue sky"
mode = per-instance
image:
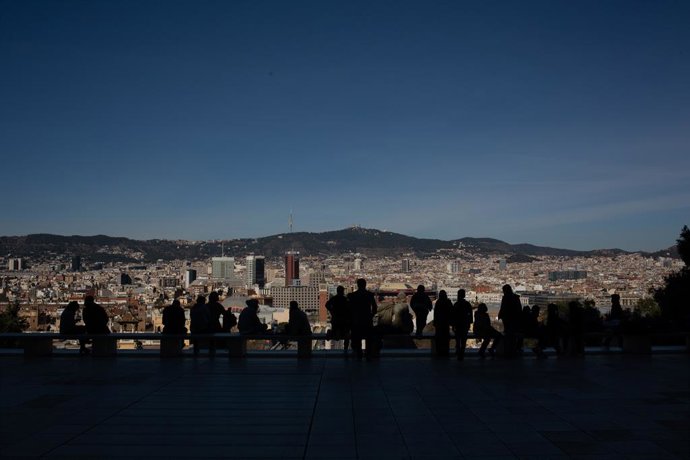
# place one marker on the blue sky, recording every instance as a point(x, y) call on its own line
point(555, 123)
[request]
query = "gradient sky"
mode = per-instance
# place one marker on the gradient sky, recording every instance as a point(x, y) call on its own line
point(562, 123)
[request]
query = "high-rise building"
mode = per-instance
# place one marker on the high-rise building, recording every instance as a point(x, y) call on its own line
point(189, 277)
point(76, 263)
point(256, 271)
point(15, 264)
point(222, 267)
point(292, 268)
point(406, 265)
point(358, 265)
point(455, 266)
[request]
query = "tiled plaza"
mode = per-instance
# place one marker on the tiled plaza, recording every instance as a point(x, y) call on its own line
point(602, 406)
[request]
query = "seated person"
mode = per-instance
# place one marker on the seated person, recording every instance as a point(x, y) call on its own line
point(68, 324)
point(249, 322)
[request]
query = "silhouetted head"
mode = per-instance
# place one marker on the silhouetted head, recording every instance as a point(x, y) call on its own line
point(294, 305)
point(73, 306)
point(213, 297)
point(176, 303)
point(535, 310)
point(89, 300)
point(201, 300)
point(526, 309)
point(361, 283)
point(507, 289)
point(461, 293)
point(552, 308)
point(442, 295)
point(615, 299)
point(420, 288)
point(574, 305)
point(340, 290)
point(482, 308)
point(253, 303)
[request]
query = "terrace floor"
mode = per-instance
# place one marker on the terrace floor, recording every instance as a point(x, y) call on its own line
point(602, 406)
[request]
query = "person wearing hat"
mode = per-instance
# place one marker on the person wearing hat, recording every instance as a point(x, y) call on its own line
point(249, 322)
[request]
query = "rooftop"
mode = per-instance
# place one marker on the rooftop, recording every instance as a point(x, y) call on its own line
point(602, 406)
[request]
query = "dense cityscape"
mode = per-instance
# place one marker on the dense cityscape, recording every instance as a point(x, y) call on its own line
point(134, 294)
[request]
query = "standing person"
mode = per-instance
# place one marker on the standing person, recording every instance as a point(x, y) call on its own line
point(420, 303)
point(363, 305)
point(200, 320)
point(510, 313)
point(68, 325)
point(442, 320)
point(95, 317)
point(461, 321)
point(216, 310)
point(550, 333)
point(485, 331)
point(341, 317)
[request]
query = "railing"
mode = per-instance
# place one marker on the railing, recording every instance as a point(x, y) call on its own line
point(42, 344)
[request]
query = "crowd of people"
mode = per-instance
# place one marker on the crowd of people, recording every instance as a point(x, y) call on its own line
point(354, 317)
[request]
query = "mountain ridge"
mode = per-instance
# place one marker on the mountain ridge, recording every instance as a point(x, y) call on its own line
point(367, 241)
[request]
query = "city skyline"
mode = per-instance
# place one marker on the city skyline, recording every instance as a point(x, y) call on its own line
point(551, 123)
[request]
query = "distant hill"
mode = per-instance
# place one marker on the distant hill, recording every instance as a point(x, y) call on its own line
point(370, 242)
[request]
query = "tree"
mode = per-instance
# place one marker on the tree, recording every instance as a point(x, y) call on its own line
point(10, 320)
point(647, 307)
point(674, 297)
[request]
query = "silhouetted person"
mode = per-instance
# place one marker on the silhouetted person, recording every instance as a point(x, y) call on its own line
point(298, 323)
point(200, 320)
point(510, 313)
point(616, 312)
point(216, 310)
point(249, 322)
point(363, 305)
point(442, 320)
point(68, 324)
point(174, 319)
point(94, 316)
point(461, 318)
point(421, 305)
point(229, 320)
point(341, 317)
point(485, 331)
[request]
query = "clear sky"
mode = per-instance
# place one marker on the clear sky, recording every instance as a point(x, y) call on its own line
point(562, 123)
